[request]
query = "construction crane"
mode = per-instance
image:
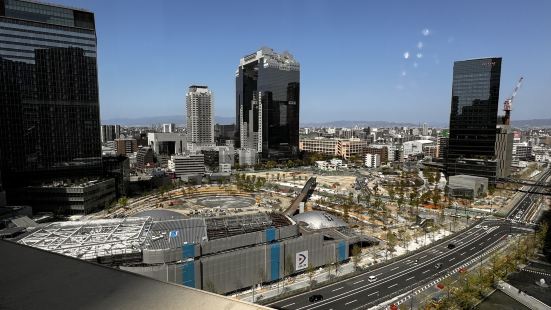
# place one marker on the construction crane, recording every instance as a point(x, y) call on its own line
point(508, 104)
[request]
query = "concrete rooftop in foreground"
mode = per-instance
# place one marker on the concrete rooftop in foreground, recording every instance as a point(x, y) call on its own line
point(36, 279)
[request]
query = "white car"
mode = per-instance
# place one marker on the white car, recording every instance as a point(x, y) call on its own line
point(372, 279)
point(477, 226)
point(485, 227)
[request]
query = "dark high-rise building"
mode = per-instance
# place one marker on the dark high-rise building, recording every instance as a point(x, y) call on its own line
point(268, 104)
point(49, 106)
point(474, 119)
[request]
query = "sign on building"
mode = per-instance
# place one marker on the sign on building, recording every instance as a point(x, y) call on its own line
point(301, 260)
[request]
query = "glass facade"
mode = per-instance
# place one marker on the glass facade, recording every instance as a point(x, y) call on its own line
point(49, 105)
point(268, 104)
point(474, 118)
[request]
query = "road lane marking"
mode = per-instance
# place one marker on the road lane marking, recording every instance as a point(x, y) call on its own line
point(453, 258)
point(358, 282)
point(426, 271)
point(393, 285)
point(473, 248)
point(365, 287)
point(394, 268)
point(462, 253)
point(422, 257)
point(288, 305)
point(350, 302)
point(340, 288)
point(377, 292)
point(410, 278)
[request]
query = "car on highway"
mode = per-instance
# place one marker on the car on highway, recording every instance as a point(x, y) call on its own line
point(451, 246)
point(477, 226)
point(316, 297)
point(416, 261)
point(438, 266)
point(485, 227)
point(372, 279)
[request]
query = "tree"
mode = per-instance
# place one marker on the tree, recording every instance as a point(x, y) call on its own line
point(311, 272)
point(123, 201)
point(356, 256)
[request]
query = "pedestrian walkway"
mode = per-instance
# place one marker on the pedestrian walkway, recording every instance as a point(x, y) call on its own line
point(521, 297)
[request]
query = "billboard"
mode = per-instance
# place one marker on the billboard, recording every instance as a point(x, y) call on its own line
point(301, 260)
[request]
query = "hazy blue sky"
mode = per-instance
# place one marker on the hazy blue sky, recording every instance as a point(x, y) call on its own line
point(352, 53)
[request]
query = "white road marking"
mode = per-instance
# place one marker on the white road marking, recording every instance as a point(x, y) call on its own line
point(426, 271)
point(377, 292)
point(340, 288)
point(462, 253)
point(358, 282)
point(394, 268)
point(393, 285)
point(350, 302)
point(410, 278)
point(453, 258)
point(422, 257)
point(288, 305)
point(473, 248)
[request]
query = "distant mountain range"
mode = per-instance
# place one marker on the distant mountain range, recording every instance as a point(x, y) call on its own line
point(533, 123)
point(180, 121)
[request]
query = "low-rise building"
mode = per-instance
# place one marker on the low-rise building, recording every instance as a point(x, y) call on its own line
point(68, 197)
point(467, 186)
point(372, 160)
point(186, 166)
point(167, 143)
point(125, 146)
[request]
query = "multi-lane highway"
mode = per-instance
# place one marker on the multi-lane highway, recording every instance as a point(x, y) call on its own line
point(526, 208)
point(373, 287)
point(416, 269)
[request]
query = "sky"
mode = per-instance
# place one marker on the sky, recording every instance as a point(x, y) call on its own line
point(360, 60)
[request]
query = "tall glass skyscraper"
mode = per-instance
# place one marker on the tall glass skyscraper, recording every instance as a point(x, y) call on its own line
point(49, 106)
point(474, 118)
point(268, 104)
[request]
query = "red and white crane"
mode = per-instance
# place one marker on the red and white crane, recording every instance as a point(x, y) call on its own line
point(508, 104)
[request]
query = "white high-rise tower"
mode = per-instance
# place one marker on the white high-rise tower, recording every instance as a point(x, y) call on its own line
point(200, 115)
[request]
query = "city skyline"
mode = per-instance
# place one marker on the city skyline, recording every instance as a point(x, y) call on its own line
point(407, 66)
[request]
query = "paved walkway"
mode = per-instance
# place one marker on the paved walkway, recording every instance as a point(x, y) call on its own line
point(521, 297)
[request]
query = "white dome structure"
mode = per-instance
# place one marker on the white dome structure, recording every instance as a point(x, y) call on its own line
point(319, 220)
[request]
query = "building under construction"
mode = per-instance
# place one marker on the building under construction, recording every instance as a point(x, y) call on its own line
point(223, 254)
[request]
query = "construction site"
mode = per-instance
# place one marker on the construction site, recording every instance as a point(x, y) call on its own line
point(221, 253)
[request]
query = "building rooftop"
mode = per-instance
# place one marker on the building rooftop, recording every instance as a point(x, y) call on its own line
point(319, 220)
point(61, 282)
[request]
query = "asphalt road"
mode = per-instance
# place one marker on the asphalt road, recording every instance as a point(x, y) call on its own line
point(524, 209)
point(359, 291)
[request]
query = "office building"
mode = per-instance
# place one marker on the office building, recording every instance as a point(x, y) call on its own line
point(167, 143)
point(320, 145)
point(381, 150)
point(224, 134)
point(110, 133)
point(169, 128)
point(125, 146)
point(69, 196)
point(442, 144)
point(145, 158)
point(200, 115)
point(267, 104)
point(474, 119)
point(372, 160)
point(187, 166)
point(425, 129)
point(117, 168)
point(347, 148)
point(49, 107)
point(2, 193)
